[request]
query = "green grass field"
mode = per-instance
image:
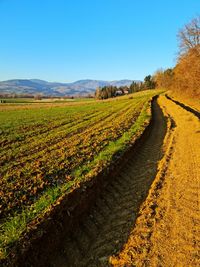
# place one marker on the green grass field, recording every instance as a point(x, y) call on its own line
point(48, 149)
point(43, 100)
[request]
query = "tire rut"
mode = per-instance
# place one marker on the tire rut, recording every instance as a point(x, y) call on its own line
point(107, 225)
point(188, 108)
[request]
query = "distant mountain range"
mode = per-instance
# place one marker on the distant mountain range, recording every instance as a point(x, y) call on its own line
point(35, 86)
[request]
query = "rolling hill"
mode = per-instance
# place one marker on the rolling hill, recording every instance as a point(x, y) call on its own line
point(35, 86)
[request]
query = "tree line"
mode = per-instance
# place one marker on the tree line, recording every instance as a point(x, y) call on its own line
point(112, 91)
point(184, 78)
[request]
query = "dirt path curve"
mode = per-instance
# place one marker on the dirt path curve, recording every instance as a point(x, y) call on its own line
point(107, 226)
point(167, 232)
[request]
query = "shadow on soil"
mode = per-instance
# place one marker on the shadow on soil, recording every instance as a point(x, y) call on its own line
point(96, 222)
point(193, 111)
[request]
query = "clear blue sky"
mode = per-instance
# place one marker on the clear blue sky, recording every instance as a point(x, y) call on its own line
point(67, 40)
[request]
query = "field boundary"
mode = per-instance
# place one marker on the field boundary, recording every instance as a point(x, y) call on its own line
point(188, 108)
point(140, 237)
point(67, 210)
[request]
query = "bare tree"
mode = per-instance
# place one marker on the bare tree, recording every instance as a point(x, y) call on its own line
point(189, 36)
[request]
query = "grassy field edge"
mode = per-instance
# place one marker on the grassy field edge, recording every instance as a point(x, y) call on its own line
point(13, 230)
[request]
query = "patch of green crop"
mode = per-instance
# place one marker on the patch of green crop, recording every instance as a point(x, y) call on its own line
point(98, 156)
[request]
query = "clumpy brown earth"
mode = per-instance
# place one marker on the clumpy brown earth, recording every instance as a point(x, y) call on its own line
point(107, 226)
point(164, 230)
point(167, 230)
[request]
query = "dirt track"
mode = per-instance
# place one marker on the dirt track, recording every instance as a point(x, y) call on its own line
point(107, 226)
point(167, 232)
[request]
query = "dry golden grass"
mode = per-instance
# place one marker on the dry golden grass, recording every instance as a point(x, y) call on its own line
point(193, 102)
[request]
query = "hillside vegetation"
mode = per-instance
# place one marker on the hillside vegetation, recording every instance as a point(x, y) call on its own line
point(184, 78)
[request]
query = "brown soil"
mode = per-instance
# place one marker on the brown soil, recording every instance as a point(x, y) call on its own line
point(107, 225)
point(45, 235)
point(193, 102)
point(167, 231)
point(95, 221)
point(186, 107)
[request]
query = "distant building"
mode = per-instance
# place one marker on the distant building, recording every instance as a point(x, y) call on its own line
point(118, 92)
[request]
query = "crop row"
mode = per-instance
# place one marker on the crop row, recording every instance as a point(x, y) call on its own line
point(47, 152)
point(45, 159)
